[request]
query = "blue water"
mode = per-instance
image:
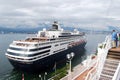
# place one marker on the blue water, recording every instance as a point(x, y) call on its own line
point(7, 72)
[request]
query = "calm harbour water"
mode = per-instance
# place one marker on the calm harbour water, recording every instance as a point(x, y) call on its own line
point(7, 72)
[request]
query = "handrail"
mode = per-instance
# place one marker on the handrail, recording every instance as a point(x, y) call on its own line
point(102, 54)
point(89, 73)
point(107, 43)
point(93, 75)
point(117, 73)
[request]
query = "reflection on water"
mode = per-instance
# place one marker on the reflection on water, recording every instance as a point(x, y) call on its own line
point(7, 72)
point(77, 59)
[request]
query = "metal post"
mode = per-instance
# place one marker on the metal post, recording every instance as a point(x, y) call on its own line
point(70, 65)
point(55, 68)
point(45, 75)
point(69, 57)
point(70, 69)
point(40, 77)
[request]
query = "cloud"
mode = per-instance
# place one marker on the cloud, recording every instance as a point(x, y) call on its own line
point(96, 13)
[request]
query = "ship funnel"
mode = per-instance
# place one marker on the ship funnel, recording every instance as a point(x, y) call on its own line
point(55, 26)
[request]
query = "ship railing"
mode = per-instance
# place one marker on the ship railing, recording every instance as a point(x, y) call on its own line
point(88, 63)
point(91, 75)
point(117, 73)
point(25, 44)
point(107, 44)
point(102, 54)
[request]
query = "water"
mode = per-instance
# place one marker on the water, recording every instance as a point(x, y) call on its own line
point(7, 72)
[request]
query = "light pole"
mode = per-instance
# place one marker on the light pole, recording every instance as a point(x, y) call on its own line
point(40, 77)
point(45, 75)
point(70, 57)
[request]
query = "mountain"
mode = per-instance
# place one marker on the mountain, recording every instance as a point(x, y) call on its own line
point(114, 28)
point(21, 29)
point(18, 30)
point(27, 29)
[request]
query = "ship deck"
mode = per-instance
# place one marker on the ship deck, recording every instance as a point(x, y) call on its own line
point(36, 39)
point(27, 41)
point(114, 54)
point(115, 49)
point(111, 64)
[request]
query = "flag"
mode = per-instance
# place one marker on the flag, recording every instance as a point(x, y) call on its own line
point(22, 76)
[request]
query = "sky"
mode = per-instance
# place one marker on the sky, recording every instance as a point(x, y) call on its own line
point(77, 13)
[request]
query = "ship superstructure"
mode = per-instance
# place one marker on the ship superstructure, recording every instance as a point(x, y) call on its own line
point(43, 50)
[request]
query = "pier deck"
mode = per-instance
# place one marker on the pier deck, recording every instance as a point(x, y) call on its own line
point(112, 61)
point(84, 74)
point(81, 71)
point(77, 70)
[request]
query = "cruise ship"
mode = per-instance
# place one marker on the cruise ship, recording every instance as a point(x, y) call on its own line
point(45, 49)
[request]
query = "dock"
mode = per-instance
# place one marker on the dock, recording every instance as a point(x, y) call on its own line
point(87, 70)
point(80, 72)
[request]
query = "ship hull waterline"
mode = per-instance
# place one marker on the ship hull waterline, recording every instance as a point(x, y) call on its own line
point(47, 63)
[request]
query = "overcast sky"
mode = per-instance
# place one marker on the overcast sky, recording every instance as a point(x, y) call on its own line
point(95, 13)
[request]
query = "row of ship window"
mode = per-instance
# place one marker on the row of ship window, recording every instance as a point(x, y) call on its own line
point(59, 50)
point(30, 49)
point(52, 42)
point(29, 59)
point(28, 55)
point(61, 44)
